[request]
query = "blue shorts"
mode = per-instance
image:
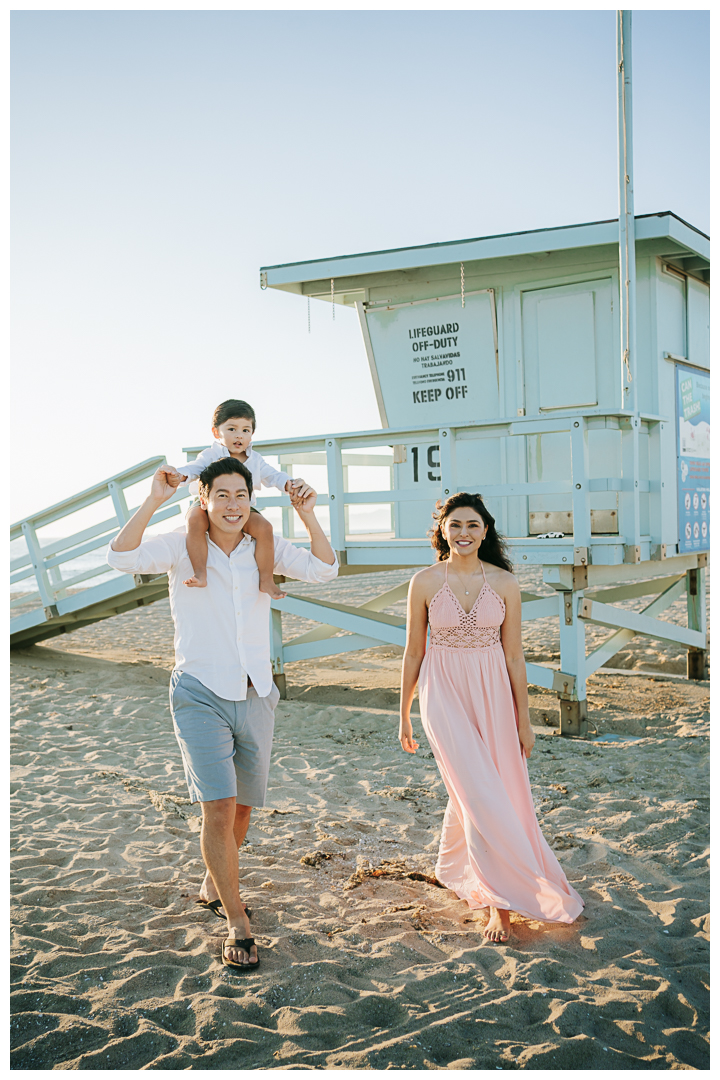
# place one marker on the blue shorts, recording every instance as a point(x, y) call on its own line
point(225, 745)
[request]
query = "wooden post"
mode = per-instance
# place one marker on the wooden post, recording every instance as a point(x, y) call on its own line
point(346, 487)
point(448, 463)
point(118, 497)
point(697, 659)
point(276, 651)
point(333, 452)
point(580, 484)
point(47, 593)
point(288, 514)
point(573, 707)
point(629, 497)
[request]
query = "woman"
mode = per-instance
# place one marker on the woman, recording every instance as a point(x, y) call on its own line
point(474, 708)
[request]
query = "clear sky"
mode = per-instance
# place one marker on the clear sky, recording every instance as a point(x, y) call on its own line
point(159, 158)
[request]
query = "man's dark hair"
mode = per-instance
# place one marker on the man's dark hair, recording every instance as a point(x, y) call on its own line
point(223, 467)
point(231, 409)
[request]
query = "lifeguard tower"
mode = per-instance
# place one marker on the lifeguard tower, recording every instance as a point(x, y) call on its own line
point(498, 368)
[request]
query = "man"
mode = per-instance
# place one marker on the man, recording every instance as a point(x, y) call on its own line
point(222, 694)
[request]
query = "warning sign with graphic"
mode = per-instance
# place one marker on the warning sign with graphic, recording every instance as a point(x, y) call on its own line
point(693, 436)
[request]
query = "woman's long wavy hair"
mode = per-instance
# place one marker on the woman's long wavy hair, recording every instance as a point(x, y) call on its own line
point(493, 548)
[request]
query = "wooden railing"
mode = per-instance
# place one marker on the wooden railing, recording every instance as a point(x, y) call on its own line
point(41, 564)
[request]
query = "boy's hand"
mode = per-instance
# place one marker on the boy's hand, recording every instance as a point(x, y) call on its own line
point(172, 476)
point(162, 484)
point(303, 498)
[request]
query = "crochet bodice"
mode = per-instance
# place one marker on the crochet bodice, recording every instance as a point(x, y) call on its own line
point(453, 628)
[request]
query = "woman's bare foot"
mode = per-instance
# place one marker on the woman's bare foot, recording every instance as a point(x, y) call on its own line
point(497, 928)
point(197, 581)
point(267, 585)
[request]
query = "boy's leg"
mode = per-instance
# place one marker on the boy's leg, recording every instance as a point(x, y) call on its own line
point(197, 528)
point(262, 533)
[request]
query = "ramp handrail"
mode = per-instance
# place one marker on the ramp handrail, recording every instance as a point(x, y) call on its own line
point(44, 562)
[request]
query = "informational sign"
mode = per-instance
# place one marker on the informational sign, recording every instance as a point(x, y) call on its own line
point(436, 360)
point(693, 442)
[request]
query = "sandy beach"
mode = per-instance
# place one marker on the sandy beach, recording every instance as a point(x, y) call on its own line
point(366, 962)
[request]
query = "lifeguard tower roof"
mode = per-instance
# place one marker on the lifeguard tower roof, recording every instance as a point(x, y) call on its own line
point(663, 234)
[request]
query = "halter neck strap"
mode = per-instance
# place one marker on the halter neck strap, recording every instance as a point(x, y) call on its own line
point(447, 564)
point(483, 570)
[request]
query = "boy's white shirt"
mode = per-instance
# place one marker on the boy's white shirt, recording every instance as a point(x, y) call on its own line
point(263, 474)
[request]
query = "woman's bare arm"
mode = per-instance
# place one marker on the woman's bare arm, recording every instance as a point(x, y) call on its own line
point(417, 622)
point(511, 634)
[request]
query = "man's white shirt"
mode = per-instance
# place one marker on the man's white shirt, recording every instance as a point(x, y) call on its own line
point(222, 632)
point(262, 472)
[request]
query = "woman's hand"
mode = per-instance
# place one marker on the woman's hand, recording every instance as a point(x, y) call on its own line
point(405, 736)
point(527, 738)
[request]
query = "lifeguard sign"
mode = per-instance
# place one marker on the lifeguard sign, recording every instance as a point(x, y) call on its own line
point(435, 362)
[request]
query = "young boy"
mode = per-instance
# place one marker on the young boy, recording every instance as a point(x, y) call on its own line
point(233, 426)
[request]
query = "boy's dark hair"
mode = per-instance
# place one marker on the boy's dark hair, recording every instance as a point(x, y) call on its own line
point(230, 409)
point(223, 467)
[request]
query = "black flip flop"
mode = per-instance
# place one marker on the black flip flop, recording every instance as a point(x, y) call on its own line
point(239, 943)
point(215, 905)
point(212, 905)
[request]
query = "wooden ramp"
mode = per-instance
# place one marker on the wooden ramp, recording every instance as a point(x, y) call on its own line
point(46, 603)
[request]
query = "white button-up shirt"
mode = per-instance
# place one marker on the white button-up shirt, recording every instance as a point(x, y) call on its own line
point(222, 632)
point(262, 472)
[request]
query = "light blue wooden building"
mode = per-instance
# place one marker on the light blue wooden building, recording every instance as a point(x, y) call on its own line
point(517, 333)
point(498, 367)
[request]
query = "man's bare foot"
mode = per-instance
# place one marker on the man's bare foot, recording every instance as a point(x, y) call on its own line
point(240, 929)
point(497, 928)
point(267, 585)
point(197, 581)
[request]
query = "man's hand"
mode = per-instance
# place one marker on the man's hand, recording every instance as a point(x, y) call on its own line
point(162, 489)
point(303, 497)
point(164, 483)
point(172, 476)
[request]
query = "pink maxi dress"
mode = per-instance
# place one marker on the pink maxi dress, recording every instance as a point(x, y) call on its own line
point(492, 852)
